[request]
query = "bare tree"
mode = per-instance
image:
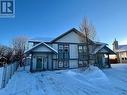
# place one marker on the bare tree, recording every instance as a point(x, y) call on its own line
point(9, 55)
point(18, 45)
point(2, 50)
point(6, 53)
point(89, 33)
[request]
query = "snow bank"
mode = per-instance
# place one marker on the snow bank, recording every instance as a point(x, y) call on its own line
point(63, 82)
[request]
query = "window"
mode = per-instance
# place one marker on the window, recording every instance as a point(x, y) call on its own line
point(63, 55)
point(122, 58)
point(80, 63)
point(60, 64)
point(82, 52)
point(125, 58)
point(65, 63)
point(63, 52)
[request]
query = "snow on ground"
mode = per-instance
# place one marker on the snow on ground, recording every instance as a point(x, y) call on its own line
point(118, 77)
point(69, 82)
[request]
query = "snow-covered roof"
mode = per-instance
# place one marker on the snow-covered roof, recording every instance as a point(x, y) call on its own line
point(103, 49)
point(100, 43)
point(41, 39)
point(98, 48)
point(27, 51)
point(121, 48)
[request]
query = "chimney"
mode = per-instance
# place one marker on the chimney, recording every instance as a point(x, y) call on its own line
point(115, 45)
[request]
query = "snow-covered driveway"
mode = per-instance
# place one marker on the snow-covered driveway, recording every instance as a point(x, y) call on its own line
point(69, 82)
point(118, 77)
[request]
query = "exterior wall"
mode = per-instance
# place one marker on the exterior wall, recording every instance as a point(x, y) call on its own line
point(55, 64)
point(73, 64)
point(42, 49)
point(100, 60)
point(73, 55)
point(49, 61)
point(55, 46)
point(123, 57)
point(72, 37)
point(34, 63)
point(73, 51)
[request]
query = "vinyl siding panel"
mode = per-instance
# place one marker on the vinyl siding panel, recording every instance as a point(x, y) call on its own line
point(73, 64)
point(73, 51)
point(72, 37)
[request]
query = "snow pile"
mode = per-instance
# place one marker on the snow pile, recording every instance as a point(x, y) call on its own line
point(66, 82)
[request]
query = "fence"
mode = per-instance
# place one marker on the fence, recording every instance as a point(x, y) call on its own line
point(6, 73)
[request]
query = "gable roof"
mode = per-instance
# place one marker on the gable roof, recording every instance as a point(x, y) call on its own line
point(42, 43)
point(101, 47)
point(98, 48)
point(69, 31)
point(50, 40)
point(121, 48)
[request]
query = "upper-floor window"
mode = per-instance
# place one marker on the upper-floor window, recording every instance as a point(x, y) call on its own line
point(63, 52)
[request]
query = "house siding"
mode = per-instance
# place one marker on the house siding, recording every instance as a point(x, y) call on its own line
point(123, 57)
point(73, 51)
point(72, 37)
point(73, 63)
point(42, 49)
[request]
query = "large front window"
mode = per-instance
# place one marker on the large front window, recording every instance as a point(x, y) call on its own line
point(63, 55)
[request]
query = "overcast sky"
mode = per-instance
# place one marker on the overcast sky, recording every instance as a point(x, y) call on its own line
point(50, 18)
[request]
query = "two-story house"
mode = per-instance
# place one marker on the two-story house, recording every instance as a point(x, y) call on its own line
point(67, 51)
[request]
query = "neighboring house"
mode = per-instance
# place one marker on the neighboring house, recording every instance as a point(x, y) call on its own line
point(67, 51)
point(121, 51)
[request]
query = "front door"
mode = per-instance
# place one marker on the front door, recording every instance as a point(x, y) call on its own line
point(39, 65)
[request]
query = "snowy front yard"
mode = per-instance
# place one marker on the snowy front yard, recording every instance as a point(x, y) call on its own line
point(69, 82)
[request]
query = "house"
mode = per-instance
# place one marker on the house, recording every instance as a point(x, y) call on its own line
point(67, 51)
point(121, 51)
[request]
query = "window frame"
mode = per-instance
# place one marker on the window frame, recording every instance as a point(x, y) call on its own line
point(64, 53)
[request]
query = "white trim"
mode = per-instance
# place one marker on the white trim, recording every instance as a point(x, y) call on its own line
point(39, 45)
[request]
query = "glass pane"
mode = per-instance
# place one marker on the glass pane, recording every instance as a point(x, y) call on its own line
point(60, 46)
point(65, 63)
point(80, 47)
point(60, 64)
point(85, 49)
